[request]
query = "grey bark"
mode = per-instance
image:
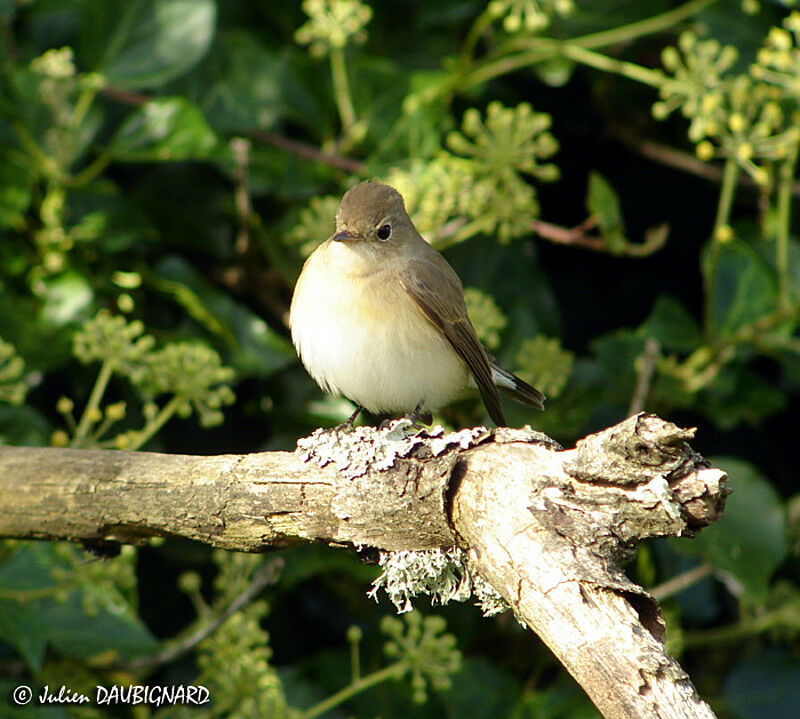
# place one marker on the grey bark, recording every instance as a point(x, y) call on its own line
point(548, 528)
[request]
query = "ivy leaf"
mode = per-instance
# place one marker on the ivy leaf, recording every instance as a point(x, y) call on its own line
point(744, 287)
point(145, 44)
point(17, 180)
point(256, 348)
point(165, 129)
point(764, 684)
point(672, 325)
point(739, 394)
point(244, 84)
point(749, 542)
point(33, 625)
point(603, 204)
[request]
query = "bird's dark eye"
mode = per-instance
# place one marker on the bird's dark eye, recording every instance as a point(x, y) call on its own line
point(384, 232)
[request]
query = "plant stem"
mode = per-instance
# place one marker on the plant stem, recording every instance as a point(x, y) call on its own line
point(648, 26)
point(93, 404)
point(742, 629)
point(341, 90)
point(481, 23)
point(730, 178)
point(46, 164)
point(81, 107)
point(645, 369)
point(653, 78)
point(89, 172)
point(355, 662)
point(157, 422)
point(497, 66)
point(392, 672)
point(537, 49)
point(30, 595)
point(784, 220)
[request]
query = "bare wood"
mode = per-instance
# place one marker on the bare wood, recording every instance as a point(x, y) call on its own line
point(558, 564)
point(548, 528)
point(248, 503)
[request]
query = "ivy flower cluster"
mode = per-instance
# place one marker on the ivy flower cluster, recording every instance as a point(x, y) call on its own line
point(750, 117)
point(529, 15)
point(333, 24)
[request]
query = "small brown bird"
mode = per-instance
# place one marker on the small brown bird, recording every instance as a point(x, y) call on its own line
point(378, 316)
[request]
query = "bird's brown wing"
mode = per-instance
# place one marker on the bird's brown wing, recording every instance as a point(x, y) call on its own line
point(445, 308)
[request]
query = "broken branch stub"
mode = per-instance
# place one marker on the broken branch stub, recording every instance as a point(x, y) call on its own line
point(550, 535)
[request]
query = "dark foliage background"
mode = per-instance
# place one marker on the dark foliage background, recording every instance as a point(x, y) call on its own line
point(614, 183)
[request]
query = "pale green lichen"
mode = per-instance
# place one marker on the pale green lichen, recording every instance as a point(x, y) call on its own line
point(442, 574)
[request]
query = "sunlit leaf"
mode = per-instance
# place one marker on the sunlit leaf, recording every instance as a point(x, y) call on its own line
point(749, 541)
point(149, 42)
point(164, 129)
point(744, 287)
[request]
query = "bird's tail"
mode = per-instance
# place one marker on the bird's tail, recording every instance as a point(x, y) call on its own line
point(514, 387)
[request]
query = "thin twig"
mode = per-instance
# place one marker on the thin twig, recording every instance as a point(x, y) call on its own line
point(124, 96)
point(265, 576)
point(654, 238)
point(302, 149)
point(575, 236)
point(241, 193)
point(646, 371)
point(680, 160)
point(681, 582)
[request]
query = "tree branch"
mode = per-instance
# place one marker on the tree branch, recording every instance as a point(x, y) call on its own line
point(548, 528)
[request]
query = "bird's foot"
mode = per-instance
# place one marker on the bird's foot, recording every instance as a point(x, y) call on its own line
point(420, 416)
point(348, 425)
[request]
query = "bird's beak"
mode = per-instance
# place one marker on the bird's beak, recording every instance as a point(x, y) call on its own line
point(346, 236)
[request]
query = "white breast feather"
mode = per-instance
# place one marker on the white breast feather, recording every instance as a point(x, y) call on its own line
point(365, 338)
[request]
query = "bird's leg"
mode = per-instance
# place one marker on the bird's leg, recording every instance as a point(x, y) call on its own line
point(347, 425)
point(417, 417)
point(420, 415)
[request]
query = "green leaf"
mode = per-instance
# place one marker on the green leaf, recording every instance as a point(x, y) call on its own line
point(241, 87)
point(672, 325)
point(23, 426)
point(603, 204)
point(32, 625)
point(16, 188)
point(255, 348)
point(749, 542)
point(744, 287)
point(67, 298)
point(764, 684)
point(140, 44)
point(768, 253)
point(739, 394)
point(169, 128)
point(9, 710)
point(616, 354)
point(564, 699)
point(480, 691)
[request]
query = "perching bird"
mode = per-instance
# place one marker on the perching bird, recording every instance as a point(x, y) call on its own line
point(378, 316)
